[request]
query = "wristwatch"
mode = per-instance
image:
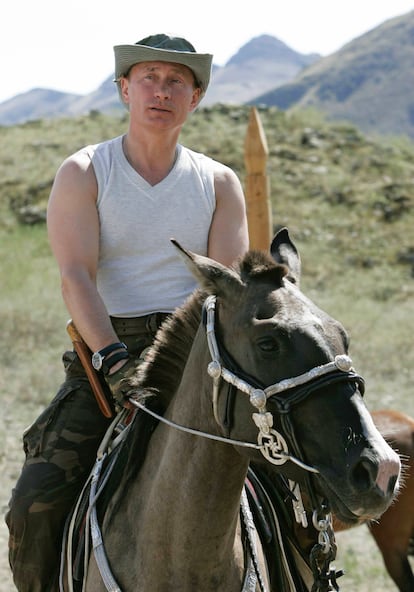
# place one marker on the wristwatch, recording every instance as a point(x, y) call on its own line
point(99, 356)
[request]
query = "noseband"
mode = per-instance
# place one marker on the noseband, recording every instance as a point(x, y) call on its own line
point(272, 444)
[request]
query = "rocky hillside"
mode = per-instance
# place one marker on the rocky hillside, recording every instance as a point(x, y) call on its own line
point(368, 82)
point(327, 179)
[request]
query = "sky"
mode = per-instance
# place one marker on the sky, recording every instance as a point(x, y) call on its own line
point(68, 46)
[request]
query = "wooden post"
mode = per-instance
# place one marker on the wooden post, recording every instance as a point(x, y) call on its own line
point(257, 187)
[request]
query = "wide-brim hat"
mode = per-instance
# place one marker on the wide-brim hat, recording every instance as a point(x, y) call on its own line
point(163, 48)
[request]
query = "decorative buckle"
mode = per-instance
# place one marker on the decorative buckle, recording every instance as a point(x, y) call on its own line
point(271, 442)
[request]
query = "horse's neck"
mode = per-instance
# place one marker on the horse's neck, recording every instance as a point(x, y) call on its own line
point(203, 476)
point(186, 499)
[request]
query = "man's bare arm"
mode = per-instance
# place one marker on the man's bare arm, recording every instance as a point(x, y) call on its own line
point(228, 237)
point(73, 228)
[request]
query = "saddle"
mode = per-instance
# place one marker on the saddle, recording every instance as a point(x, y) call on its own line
point(111, 464)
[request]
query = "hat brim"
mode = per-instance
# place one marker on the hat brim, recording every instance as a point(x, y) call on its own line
point(127, 56)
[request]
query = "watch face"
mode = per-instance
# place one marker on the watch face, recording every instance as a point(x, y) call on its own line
point(97, 361)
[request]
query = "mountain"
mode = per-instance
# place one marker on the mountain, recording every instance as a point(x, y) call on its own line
point(259, 66)
point(368, 82)
point(105, 99)
point(39, 103)
point(263, 63)
point(43, 103)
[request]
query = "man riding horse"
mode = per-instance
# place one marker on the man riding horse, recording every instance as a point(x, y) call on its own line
point(112, 209)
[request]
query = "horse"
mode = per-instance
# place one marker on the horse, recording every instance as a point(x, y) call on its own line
point(393, 532)
point(247, 370)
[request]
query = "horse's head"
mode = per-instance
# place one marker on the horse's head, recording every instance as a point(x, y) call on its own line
point(296, 389)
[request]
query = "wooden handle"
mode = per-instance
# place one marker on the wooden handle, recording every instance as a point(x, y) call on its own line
point(85, 354)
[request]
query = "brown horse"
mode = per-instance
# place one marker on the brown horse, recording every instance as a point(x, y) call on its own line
point(249, 369)
point(394, 531)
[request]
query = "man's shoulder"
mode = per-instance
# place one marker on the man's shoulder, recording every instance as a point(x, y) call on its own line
point(79, 162)
point(200, 158)
point(104, 146)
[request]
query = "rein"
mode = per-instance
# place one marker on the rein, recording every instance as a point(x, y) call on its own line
point(223, 439)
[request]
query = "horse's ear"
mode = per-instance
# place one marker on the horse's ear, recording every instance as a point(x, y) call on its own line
point(214, 277)
point(284, 251)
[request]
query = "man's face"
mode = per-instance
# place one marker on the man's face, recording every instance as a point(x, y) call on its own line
point(161, 92)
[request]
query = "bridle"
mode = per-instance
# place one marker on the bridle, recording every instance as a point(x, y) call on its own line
point(271, 443)
point(284, 394)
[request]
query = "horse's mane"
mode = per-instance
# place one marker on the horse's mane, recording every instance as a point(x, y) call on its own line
point(164, 364)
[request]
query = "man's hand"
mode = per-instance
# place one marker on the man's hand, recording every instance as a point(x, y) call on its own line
point(117, 380)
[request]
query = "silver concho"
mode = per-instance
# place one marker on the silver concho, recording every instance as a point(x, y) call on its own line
point(271, 445)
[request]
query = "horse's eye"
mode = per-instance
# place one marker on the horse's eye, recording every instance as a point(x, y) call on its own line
point(268, 344)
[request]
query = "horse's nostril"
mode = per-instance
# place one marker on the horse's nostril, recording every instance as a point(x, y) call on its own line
point(364, 475)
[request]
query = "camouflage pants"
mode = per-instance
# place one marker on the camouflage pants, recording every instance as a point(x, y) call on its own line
point(60, 448)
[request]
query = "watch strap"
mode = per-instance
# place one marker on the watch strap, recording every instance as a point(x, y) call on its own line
point(110, 348)
point(112, 360)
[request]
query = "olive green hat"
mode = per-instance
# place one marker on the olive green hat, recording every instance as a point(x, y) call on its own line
point(163, 48)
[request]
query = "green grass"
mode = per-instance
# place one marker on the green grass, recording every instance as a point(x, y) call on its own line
point(31, 315)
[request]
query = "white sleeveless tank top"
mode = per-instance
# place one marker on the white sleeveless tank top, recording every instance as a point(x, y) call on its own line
point(139, 269)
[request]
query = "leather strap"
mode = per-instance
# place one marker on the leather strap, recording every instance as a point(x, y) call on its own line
point(110, 348)
point(112, 360)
